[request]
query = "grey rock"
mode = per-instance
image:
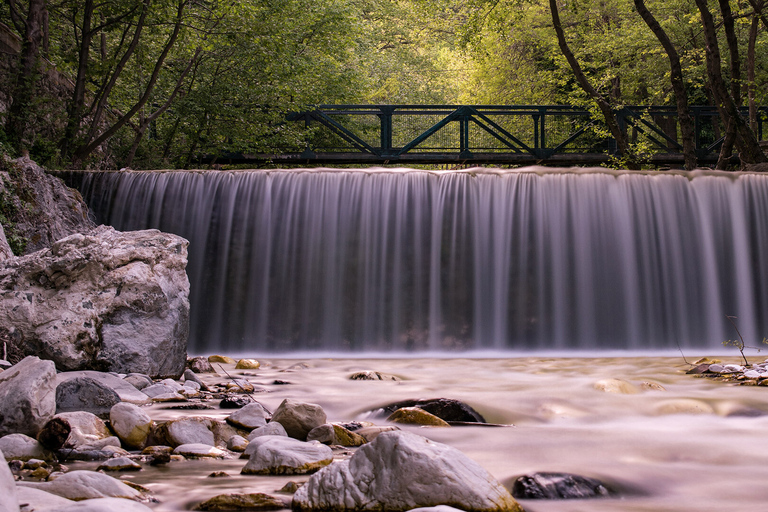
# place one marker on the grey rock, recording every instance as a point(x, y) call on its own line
point(5, 249)
point(557, 486)
point(400, 471)
point(138, 380)
point(36, 500)
point(298, 418)
point(119, 464)
point(278, 455)
point(23, 447)
point(251, 416)
point(237, 444)
point(336, 435)
point(85, 394)
point(199, 450)
point(190, 376)
point(85, 485)
point(27, 396)
point(270, 429)
point(104, 505)
point(87, 431)
point(126, 391)
point(9, 502)
point(131, 424)
point(190, 430)
point(447, 409)
point(200, 364)
point(158, 389)
point(103, 300)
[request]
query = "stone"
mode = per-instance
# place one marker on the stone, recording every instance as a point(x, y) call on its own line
point(27, 396)
point(699, 369)
point(191, 376)
point(131, 424)
point(252, 501)
point(557, 486)
point(190, 430)
point(85, 394)
point(23, 447)
point(124, 389)
point(270, 429)
point(683, 406)
point(9, 501)
point(371, 375)
point(197, 450)
point(159, 389)
point(37, 500)
point(335, 435)
point(651, 386)
point(85, 485)
point(251, 416)
point(103, 300)
point(87, 431)
point(200, 364)
point(278, 455)
point(221, 359)
point(240, 386)
point(416, 416)
point(138, 380)
point(400, 471)
point(617, 386)
point(237, 444)
point(104, 505)
point(298, 418)
point(169, 397)
point(235, 401)
point(439, 508)
point(372, 432)
point(119, 464)
point(247, 364)
point(447, 409)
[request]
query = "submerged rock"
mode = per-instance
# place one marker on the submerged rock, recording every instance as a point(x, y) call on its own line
point(253, 501)
point(27, 396)
point(447, 409)
point(103, 300)
point(557, 486)
point(371, 375)
point(401, 471)
point(617, 386)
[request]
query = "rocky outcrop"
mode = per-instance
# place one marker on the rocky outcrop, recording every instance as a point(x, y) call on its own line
point(27, 396)
point(43, 208)
point(104, 300)
point(400, 471)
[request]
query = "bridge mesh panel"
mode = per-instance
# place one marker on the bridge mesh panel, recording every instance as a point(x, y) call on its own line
point(366, 127)
point(406, 127)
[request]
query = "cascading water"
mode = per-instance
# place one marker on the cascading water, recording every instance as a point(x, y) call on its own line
point(392, 260)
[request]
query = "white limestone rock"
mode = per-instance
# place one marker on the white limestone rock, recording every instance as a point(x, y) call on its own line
point(272, 428)
point(9, 502)
point(102, 300)
point(278, 455)
point(23, 447)
point(27, 395)
point(298, 418)
point(400, 471)
point(197, 450)
point(251, 416)
point(131, 424)
point(85, 485)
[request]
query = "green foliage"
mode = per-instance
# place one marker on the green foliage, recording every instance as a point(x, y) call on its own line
point(11, 195)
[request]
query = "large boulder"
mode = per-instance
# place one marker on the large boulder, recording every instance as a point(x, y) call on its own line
point(85, 394)
point(9, 502)
point(298, 418)
point(27, 396)
point(279, 455)
point(401, 471)
point(103, 300)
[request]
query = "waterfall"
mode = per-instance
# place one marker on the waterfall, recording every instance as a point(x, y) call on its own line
point(404, 260)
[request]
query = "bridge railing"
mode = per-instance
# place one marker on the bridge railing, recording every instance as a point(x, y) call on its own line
point(488, 133)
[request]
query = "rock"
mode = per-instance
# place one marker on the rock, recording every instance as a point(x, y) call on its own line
point(401, 471)
point(298, 418)
point(447, 409)
point(270, 429)
point(618, 386)
point(439, 508)
point(235, 401)
point(159, 389)
point(119, 464)
point(195, 450)
point(716, 368)
point(683, 406)
point(336, 435)
point(23, 447)
point(253, 501)
point(190, 376)
point(124, 389)
point(169, 397)
point(9, 501)
point(247, 364)
point(104, 505)
point(221, 359)
point(372, 432)
point(27, 396)
point(131, 424)
point(200, 364)
point(103, 300)
point(557, 486)
point(87, 431)
point(85, 394)
point(240, 386)
point(651, 386)
point(190, 430)
point(290, 488)
point(36, 500)
point(85, 485)
point(251, 416)
point(278, 455)
point(5, 249)
point(237, 444)
point(138, 380)
point(699, 369)
point(369, 375)
point(416, 416)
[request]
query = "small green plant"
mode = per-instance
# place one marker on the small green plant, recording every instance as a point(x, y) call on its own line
point(739, 344)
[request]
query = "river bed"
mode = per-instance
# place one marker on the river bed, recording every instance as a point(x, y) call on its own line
point(556, 421)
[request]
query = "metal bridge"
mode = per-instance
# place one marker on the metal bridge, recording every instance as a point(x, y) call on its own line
point(489, 135)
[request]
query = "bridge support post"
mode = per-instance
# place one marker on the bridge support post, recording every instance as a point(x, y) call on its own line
point(386, 128)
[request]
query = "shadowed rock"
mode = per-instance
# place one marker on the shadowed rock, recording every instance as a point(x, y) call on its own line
point(557, 486)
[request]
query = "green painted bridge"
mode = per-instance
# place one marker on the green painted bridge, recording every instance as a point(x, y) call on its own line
point(488, 135)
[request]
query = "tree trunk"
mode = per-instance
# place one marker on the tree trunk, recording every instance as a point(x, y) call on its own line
point(27, 76)
point(605, 107)
point(678, 85)
point(753, 29)
point(749, 149)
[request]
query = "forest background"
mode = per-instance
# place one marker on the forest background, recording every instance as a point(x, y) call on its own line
point(151, 84)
